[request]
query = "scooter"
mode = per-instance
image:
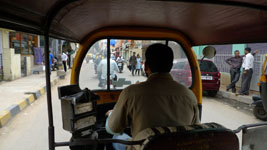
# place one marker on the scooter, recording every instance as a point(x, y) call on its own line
point(120, 66)
point(55, 65)
point(258, 109)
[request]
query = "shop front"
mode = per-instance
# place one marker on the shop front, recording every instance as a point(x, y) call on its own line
point(26, 45)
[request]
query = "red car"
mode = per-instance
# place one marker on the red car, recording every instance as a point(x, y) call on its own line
point(210, 75)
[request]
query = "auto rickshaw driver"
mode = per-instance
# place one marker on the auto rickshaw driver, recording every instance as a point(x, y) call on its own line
point(159, 101)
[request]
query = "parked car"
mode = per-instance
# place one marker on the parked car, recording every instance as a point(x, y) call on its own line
point(210, 75)
point(181, 72)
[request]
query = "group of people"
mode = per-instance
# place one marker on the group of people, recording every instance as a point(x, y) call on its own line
point(240, 63)
point(135, 64)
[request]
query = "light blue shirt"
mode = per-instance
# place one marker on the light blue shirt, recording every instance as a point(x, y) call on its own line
point(108, 129)
point(138, 64)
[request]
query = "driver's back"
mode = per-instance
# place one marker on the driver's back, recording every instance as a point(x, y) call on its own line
point(160, 101)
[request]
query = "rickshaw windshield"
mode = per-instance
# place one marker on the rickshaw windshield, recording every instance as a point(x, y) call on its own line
point(127, 64)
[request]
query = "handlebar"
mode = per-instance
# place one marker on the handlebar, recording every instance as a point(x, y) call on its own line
point(244, 127)
point(82, 142)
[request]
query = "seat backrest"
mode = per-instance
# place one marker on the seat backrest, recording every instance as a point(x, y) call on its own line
point(208, 136)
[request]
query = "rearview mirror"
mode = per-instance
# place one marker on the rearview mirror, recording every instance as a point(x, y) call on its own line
point(209, 52)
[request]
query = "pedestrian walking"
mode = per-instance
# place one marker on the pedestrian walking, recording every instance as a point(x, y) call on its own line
point(113, 57)
point(64, 58)
point(97, 60)
point(138, 64)
point(133, 63)
point(87, 59)
point(247, 72)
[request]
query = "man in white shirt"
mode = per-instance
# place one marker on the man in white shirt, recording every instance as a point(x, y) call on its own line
point(247, 72)
point(64, 58)
point(102, 69)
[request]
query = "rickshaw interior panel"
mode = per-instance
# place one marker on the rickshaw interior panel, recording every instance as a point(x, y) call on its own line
point(189, 23)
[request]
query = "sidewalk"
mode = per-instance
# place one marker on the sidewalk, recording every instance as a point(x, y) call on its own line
point(240, 98)
point(18, 94)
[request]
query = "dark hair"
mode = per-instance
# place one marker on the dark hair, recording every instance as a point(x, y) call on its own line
point(248, 49)
point(236, 51)
point(159, 58)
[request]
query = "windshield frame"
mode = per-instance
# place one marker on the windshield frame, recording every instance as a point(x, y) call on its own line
point(125, 38)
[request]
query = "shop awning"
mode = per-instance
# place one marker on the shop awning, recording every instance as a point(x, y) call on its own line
point(204, 22)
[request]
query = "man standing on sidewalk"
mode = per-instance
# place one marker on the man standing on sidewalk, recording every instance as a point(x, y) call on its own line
point(247, 73)
point(235, 63)
point(64, 58)
point(133, 62)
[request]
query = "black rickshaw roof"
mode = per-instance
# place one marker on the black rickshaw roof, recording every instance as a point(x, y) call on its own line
point(204, 22)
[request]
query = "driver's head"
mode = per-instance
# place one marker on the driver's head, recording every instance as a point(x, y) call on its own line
point(159, 58)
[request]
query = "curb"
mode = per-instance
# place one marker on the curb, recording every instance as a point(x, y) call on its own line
point(16, 108)
point(239, 98)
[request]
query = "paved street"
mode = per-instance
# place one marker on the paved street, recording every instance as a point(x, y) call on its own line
point(89, 79)
point(28, 130)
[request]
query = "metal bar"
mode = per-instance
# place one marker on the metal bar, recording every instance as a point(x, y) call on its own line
point(104, 141)
point(1, 68)
point(108, 63)
point(48, 21)
point(59, 144)
point(167, 42)
point(244, 127)
point(51, 131)
point(200, 111)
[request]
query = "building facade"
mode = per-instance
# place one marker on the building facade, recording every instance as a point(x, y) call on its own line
point(22, 54)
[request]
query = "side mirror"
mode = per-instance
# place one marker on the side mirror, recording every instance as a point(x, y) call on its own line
point(209, 52)
point(254, 138)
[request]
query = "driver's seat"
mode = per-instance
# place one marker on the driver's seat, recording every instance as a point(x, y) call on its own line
point(208, 136)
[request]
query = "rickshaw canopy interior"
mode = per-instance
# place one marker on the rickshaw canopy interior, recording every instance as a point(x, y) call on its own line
point(204, 22)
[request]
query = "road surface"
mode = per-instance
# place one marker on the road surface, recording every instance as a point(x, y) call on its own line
point(28, 130)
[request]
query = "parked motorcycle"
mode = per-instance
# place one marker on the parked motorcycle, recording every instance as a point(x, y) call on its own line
point(260, 102)
point(258, 109)
point(55, 64)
